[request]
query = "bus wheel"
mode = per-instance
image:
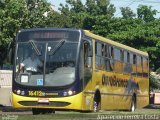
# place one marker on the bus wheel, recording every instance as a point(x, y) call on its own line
point(133, 104)
point(48, 111)
point(35, 111)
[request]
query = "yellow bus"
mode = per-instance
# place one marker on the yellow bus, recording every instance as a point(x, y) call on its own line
point(79, 71)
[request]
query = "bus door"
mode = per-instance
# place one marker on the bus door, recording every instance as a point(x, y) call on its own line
point(87, 50)
point(87, 54)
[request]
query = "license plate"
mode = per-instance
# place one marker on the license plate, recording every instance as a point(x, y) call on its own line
point(43, 100)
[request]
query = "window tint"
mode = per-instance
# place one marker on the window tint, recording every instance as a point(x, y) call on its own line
point(122, 55)
point(111, 52)
point(98, 49)
point(104, 54)
point(145, 67)
point(134, 59)
point(131, 58)
point(106, 51)
point(112, 58)
point(103, 49)
point(126, 57)
point(117, 54)
point(139, 65)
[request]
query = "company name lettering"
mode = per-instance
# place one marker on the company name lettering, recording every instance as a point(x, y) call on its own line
point(114, 81)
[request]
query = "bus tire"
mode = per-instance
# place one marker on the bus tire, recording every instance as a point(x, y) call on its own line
point(35, 111)
point(133, 104)
point(48, 111)
point(96, 101)
point(51, 111)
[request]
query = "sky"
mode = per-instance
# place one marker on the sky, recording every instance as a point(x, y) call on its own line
point(133, 4)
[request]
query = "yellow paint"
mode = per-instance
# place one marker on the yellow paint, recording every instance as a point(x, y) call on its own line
point(112, 97)
point(75, 102)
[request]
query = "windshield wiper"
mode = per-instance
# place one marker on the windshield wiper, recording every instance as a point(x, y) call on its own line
point(53, 51)
point(35, 47)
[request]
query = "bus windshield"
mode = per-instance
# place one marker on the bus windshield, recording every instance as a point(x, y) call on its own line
point(55, 60)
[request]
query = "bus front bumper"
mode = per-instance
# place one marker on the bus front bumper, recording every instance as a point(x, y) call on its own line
point(71, 102)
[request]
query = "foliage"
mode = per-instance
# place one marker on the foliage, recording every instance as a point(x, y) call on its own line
point(17, 14)
point(98, 16)
point(143, 36)
point(146, 13)
point(87, 15)
point(127, 12)
point(154, 82)
point(158, 71)
point(54, 19)
point(95, 15)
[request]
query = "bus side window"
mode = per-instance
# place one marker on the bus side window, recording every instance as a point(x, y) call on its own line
point(145, 67)
point(111, 57)
point(127, 64)
point(118, 65)
point(106, 51)
point(139, 66)
point(103, 50)
point(122, 56)
point(107, 59)
point(98, 54)
point(103, 57)
point(100, 51)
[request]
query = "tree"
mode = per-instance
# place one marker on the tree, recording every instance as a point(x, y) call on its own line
point(140, 35)
point(80, 15)
point(97, 24)
point(74, 14)
point(17, 14)
point(76, 6)
point(55, 19)
point(35, 10)
point(100, 7)
point(154, 82)
point(146, 13)
point(95, 15)
point(127, 12)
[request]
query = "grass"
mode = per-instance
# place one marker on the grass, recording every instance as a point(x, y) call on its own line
point(145, 113)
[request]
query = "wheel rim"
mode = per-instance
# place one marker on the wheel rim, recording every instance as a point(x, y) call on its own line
point(133, 106)
point(95, 106)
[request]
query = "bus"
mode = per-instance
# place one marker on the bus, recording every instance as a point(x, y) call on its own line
point(81, 71)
